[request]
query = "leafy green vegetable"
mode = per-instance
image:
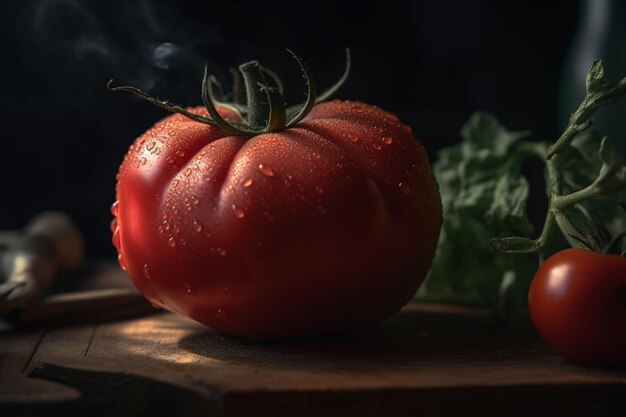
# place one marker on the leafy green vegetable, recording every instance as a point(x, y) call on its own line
point(484, 196)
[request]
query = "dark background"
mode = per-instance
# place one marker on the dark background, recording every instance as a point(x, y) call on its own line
point(431, 62)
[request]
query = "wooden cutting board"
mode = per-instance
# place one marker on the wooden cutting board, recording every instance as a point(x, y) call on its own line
point(429, 360)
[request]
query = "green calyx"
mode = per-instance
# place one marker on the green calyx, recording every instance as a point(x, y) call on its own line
point(260, 106)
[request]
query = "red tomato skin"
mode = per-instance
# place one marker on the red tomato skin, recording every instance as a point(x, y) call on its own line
point(577, 302)
point(326, 227)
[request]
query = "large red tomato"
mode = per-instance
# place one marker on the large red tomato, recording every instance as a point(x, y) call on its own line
point(326, 226)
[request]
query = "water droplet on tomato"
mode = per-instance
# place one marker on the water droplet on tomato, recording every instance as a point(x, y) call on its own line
point(121, 261)
point(180, 153)
point(150, 146)
point(377, 146)
point(221, 252)
point(176, 229)
point(187, 172)
point(239, 213)
point(406, 128)
point(316, 155)
point(170, 160)
point(146, 272)
point(228, 292)
point(190, 291)
point(171, 242)
point(115, 208)
point(404, 187)
point(266, 170)
point(142, 160)
point(197, 226)
point(113, 225)
point(175, 183)
point(247, 183)
point(387, 140)
point(320, 190)
point(219, 314)
point(353, 138)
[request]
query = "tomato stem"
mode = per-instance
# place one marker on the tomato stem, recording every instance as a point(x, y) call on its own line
point(261, 106)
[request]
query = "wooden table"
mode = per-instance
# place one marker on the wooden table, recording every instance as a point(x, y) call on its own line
point(429, 360)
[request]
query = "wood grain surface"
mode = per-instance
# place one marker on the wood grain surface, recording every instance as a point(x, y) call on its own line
point(428, 360)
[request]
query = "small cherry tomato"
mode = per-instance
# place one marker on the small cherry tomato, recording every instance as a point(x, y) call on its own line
point(577, 303)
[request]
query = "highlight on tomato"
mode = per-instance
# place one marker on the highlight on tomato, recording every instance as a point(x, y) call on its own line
point(267, 221)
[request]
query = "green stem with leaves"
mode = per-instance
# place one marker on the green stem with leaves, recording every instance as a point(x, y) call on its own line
point(611, 178)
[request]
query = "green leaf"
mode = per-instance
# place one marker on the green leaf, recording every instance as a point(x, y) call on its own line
point(484, 132)
point(484, 197)
point(509, 201)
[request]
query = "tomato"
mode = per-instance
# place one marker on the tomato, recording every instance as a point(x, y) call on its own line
point(577, 303)
point(325, 226)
